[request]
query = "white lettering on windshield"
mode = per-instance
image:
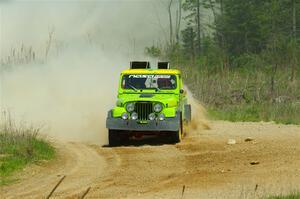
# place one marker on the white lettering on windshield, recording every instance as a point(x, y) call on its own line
point(150, 76)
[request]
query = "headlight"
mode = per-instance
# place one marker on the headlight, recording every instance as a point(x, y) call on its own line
point(134, 116)
point(161, 117)
point(151, 116)
point(130, 107)
point(125, 116)
point(157, 107)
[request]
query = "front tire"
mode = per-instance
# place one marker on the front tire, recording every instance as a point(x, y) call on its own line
point(114, 138)
point(178, 135)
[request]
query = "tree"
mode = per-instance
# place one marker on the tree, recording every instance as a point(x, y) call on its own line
point(178, 21)
point(247, 25)
point(170, 22)
point(198, 27)
point(153, 51)
point(174, 30)
point(294, 43)
point(193, 8)
point(189, 39)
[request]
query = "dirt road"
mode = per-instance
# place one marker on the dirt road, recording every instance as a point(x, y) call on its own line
point(204, 165)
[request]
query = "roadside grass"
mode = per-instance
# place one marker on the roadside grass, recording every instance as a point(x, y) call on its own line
point(291, 196)
point(245, 94)
point(20, 146)
point(280, 113)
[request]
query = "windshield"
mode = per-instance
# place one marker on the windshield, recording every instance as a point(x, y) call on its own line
point(143, 81)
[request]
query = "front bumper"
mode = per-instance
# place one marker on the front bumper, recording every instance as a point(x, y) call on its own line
point(169, 124)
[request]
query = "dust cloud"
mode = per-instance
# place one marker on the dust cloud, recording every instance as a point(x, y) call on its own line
point(69, 97)
point(79, 48)
point(199, 120)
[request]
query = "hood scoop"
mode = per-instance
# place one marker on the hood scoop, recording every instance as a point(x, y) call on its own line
point(146, 95)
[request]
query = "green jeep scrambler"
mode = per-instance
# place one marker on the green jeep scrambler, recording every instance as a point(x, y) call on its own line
point(151, 102)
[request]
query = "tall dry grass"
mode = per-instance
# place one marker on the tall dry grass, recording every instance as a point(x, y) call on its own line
point(19, 146)
point(246, 94)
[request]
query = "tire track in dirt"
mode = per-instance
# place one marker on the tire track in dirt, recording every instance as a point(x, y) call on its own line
point(208, 167)
point(79, 162)
point(140, 169)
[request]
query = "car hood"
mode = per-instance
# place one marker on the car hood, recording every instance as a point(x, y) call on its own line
point(169, 100)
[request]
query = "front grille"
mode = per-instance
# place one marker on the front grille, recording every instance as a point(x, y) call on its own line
point(143, 110)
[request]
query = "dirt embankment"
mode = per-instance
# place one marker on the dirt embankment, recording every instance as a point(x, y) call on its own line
point(204, 165)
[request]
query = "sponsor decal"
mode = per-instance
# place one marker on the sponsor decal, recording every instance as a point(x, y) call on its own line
point(150, 76)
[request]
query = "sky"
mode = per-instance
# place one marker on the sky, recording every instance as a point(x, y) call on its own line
point(124, 25)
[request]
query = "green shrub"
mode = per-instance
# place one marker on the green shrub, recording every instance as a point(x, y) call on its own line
point(291, 196)
point(20, 146)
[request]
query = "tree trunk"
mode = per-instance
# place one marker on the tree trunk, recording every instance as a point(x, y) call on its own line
point(294, 62)
point(221, 7)
point(294, 19)
point(198, 28)
point(49, 43)
point(192, 47)
point(178, 23)
point(212, 7)
point(171, 23)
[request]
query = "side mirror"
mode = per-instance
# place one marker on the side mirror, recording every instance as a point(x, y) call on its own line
point(181, 91)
